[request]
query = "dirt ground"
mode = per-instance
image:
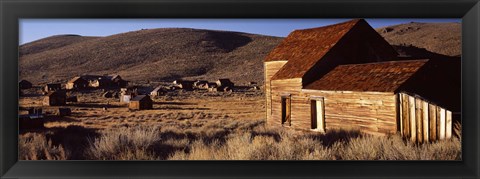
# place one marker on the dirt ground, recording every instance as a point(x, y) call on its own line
point(97, 112)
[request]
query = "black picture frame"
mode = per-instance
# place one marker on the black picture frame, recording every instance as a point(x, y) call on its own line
point(13, 10)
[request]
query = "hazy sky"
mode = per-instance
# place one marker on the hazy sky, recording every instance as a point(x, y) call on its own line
point(34, 29)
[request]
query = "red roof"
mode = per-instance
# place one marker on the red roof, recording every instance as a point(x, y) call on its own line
point(378, 77)
point(303, 48)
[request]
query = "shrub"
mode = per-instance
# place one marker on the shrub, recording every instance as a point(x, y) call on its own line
point(37, 147)
point(124, 144)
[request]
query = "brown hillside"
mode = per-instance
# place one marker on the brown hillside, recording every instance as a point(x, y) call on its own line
point(441, 38)
point(50, 43)
point(156, 54)
point(167, 54)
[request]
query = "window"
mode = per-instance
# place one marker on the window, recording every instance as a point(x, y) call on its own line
point(286, 110)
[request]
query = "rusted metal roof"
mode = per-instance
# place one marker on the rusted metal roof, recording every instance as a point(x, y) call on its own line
point(303, 48)
point(377, 77)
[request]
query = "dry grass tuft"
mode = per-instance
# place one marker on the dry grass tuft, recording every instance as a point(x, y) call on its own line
point(124, 144)
point(230, 139)
point(37, 147)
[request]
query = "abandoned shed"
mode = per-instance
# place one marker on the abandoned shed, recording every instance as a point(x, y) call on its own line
point(184, 84)
point(52, 87)
point(24, 84)
point(343, 76)
point(225, 83)
point(157, 91)
point(55, 98)
point(103, 81)
point(200, 84)
point(76, 83)
point(140, 102)
point(32, 120)
point(117, 81)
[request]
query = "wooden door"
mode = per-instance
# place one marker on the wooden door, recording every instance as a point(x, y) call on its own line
point(318, 114)
point(286, 110)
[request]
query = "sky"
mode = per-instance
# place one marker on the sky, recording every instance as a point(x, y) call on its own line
point(34, 29)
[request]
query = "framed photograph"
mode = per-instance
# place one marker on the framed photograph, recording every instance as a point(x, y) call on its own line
point(239, 89)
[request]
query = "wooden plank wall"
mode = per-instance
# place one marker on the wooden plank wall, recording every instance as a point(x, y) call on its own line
point(270, 68)
point(370, 112)
point(281, 88)
point(422, 121)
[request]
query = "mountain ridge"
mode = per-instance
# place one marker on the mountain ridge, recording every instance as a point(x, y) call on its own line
point(170, 53)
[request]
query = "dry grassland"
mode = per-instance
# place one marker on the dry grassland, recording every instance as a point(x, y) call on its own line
point(203, 126)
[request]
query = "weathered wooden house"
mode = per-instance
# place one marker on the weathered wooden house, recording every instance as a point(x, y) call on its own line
point(225, 83)
point(157, 91)
point(55, 98)
point(103, 81)
point(52, 87)
point(126, 94)
point(32, 120)
point(184, 84)
point(140, 102)
point(117, 81)
point(24, 84)
point(200, 84)
point(76, 83)
point(343, 76)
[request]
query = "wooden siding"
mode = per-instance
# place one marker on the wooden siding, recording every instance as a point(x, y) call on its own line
point(422, 121)
point(370, 112)
point(279, 88)
point(270, 69)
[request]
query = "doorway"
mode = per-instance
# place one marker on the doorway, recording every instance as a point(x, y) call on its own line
point(286, 110)
point(317, 114)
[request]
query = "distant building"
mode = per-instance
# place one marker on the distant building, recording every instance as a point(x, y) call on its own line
point(32, 120)
point(117, 81)
point(200, 84)
point(184, 84)
point(140, 102)
point(157, 91)
point(222, 83)
point(52, 87)
point(126, 94)
point(76, 83)
point(103, 81)
point(24, 84)
point(55, 98)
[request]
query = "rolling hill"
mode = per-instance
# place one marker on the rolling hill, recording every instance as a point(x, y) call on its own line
point(441, 38)
point(172, 53)
point(156, 54)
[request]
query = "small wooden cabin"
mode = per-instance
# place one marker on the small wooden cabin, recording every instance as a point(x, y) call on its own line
point(126, 94)
point(140, 102)
point(225, 82)
point(103, 81)
point(117, 81)
point(184, 84)
point(76, 83)
point(345, 76)
point(24, 84)
point(52, 87)
point(200, 84)
point(157, 91)
point(32, 120)
point(55, 98)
